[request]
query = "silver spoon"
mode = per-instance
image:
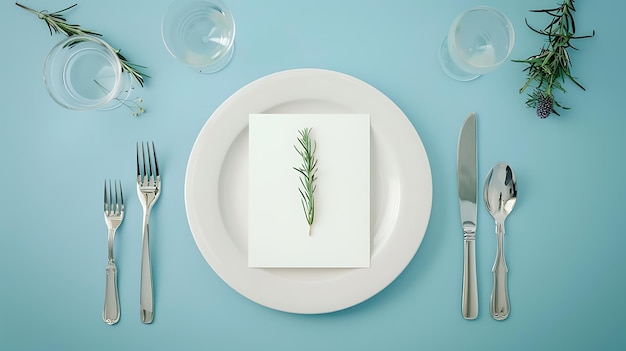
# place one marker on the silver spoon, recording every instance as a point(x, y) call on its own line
point(500, 194)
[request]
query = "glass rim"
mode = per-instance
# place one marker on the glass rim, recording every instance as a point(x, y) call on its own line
point(227, 14)
point(63, 44)
point(498, 13)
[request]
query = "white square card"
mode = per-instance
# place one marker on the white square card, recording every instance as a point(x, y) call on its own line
point(278, 233)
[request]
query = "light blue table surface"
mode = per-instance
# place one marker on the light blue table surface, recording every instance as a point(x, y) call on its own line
point(565, 240)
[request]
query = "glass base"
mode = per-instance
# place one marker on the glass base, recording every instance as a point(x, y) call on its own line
point(127, 88)
point(217, 66)
point(450, 68)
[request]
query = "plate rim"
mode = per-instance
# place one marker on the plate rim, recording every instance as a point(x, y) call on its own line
point(382, 274)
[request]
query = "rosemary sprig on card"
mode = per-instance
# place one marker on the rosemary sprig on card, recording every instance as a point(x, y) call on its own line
point(58, 24)
point(308, 174)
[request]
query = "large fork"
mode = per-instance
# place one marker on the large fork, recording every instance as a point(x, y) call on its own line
point(148, 189)
point(113, 216)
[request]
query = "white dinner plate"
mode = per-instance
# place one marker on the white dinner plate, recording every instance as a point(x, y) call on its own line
point(216, 191)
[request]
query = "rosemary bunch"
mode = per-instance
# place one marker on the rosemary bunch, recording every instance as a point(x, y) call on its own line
point(308, 174)
point(548, 69)
point(58, 24)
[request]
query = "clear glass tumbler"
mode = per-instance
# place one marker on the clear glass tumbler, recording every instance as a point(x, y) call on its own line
point(199, 33)
point(479, 41)
point(83, 72)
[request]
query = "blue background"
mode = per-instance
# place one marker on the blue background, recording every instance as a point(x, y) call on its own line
point(564, 243)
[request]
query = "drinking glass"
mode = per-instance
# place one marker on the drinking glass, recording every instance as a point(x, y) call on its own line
point(200, 33)
point(83, 72)
point(479, 41)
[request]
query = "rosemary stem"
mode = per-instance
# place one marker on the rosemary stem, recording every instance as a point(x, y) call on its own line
point(308, 174)
point(57, 23)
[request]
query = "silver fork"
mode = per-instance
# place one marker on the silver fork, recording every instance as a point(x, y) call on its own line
point(113, 216)
point(148, 189)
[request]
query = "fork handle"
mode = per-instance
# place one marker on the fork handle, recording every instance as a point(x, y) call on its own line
point(146, 297)
point(111, 311)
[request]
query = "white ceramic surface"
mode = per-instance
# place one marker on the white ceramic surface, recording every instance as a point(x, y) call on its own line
point(216, 191)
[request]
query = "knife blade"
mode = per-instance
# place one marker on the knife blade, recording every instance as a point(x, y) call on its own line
point(467, 187)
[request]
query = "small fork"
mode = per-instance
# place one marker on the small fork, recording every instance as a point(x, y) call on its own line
point(113, 216)
point(148, 189)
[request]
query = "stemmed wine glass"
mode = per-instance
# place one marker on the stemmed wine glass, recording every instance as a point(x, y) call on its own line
point(479, 41)
point(199, 33)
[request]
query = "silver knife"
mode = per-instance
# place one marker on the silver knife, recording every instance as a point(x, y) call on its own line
point(468, 186)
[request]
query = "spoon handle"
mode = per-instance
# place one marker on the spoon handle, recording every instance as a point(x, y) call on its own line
point(500, 306)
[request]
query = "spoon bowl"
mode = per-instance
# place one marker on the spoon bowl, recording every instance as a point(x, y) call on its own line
point(500, 191)
point(500, 195)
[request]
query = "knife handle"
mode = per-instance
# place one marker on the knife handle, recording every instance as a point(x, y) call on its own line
point(500, 305)
point(469, 302)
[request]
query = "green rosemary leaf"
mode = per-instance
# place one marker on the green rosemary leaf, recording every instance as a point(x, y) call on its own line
point(574, 81)
point(307, 172)
point(533, 29)
point(570, 5)
point(546, 10)
point(65, 9)
point(569, 21)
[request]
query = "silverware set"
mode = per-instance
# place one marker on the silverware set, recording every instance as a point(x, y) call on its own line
point(499, 195)
point(148, 191)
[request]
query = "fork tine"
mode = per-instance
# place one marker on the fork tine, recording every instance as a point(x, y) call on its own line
point(117, 203)
point(156, 164)
point(150, 152)
point(121, 196)
point(148, 173)
point(109, 200)
point(143, 157)
point(106, 203)
point(138, 169)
